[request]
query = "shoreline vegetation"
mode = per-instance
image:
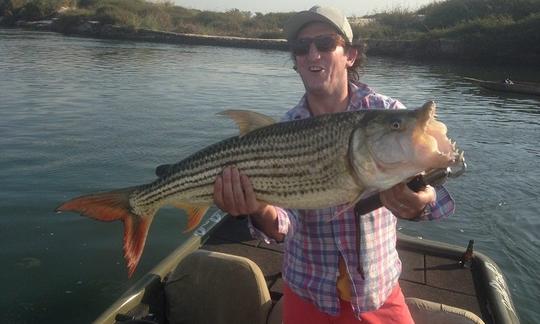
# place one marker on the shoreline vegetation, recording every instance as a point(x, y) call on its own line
point(473, 31)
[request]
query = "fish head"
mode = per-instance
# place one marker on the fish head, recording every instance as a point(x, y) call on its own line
point(394, 145)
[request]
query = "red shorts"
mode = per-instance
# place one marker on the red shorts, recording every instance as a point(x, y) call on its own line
point(299, 311)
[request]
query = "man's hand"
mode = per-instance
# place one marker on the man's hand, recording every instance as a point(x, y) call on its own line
point(233, 193)
point(405, 203)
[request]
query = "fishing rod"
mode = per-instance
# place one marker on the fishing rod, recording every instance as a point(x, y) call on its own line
point(435, 177)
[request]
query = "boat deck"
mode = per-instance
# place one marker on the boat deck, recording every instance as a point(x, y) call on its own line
point(426, 274)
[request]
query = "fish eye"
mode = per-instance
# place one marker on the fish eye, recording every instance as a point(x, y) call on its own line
point(395, 124)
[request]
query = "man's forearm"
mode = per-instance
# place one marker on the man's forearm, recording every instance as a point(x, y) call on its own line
point(267, 222)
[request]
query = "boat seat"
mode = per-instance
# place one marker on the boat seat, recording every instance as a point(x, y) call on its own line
point(212, 287)
point(427, 312)
point(276, 314)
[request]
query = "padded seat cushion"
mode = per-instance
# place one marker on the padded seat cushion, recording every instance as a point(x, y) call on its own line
point(276, 314)
point(428, 312)
point(211, 287)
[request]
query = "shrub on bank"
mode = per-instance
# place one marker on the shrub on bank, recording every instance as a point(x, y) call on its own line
point(71, 19)
point(450, 13)
point(31, 10)
point(482, 26)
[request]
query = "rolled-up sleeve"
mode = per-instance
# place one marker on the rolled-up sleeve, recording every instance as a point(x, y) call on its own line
point(283, 227)
point(442, 207)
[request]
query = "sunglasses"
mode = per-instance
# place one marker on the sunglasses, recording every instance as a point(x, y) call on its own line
point(323, 43)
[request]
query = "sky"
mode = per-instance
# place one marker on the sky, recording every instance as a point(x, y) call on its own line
point(349, 7)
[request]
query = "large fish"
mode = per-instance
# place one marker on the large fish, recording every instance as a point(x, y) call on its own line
point(306, 164)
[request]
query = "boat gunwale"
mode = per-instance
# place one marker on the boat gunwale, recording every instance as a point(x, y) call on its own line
point(490, 281)
point(521, 87)
point(134, 295)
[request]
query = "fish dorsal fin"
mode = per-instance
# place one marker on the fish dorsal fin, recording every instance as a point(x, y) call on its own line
point(248, 121)
point(163, 170)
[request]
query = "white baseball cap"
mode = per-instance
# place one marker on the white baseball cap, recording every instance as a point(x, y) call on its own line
point(328, 15)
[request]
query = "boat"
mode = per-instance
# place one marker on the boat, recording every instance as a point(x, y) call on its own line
point(222, 275)
point(529, 88)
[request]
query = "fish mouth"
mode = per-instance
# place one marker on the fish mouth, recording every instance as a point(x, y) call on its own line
point(431, 143)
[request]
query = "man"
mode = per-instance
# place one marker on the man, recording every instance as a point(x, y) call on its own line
point(326, 280)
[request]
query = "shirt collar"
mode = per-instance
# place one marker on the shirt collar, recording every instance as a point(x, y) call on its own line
point(357, 90)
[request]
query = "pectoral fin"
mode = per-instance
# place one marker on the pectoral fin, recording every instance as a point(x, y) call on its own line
point(195, 214)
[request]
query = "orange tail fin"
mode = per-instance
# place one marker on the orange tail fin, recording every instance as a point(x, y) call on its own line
point(114, 205)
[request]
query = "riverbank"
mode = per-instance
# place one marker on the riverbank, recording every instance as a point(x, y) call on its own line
point(95, 29)
point(463, 51)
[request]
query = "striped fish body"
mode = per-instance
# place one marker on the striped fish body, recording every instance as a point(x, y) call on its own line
point(306, 164)
point(300, 164)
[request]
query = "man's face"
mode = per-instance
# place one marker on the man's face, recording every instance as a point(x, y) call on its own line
point(323, 72)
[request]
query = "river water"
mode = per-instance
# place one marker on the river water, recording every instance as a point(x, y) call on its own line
point(82, 115)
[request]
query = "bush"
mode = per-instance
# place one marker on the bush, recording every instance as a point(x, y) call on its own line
point(71, 19)
point(449, 13)
point(399, 19)
point(485, 25)
point(113, 15)
point(39, 9)
point(515, 21)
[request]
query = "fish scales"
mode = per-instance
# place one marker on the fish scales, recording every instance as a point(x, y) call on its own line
point(255, 171)
point(282, 163)
point(311, 163)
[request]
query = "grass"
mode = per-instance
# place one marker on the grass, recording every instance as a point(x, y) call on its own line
point(494, 24)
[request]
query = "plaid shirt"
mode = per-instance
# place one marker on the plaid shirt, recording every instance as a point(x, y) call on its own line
point(313, 244)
